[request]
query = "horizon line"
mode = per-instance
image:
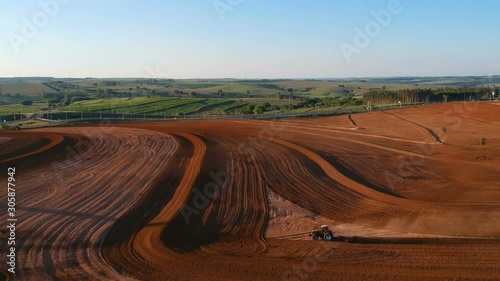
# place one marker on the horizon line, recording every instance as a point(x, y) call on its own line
point(257, 78)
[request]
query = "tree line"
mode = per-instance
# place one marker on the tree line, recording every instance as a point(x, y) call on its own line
point(443, 94)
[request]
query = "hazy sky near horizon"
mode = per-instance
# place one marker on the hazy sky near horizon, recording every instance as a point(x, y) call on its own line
point(249, 38)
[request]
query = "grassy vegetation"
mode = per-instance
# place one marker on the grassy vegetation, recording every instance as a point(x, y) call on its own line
point(170, 106)
point(34, 90)
point(28, 123)
point(215, 96)
point(8, 109)
point(199, 85)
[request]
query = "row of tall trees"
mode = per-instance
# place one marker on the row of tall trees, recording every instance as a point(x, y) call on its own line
point(409, 96)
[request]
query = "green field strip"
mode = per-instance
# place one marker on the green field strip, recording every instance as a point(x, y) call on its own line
point(235, 107)
point(210, 107)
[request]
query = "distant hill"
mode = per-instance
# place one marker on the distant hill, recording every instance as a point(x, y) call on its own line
point(37, 80)
point(439, 80)
point(470, 81)
point(24, 80)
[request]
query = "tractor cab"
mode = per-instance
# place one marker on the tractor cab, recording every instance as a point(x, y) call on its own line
point(324, 228)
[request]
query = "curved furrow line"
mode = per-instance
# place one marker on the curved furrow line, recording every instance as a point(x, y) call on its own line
point(293, 178)
point(391, 126)
point(137, 167)
point(50, 174)
point(298, 179)
point(386, 171)
point(339, 177)
point(345, 123)
point(4, 140)
point(91, 209)
point(118, 247)
point(344, 132)
point(313, 190)
point(86, 176)
point(54, 140)
point(431, 132)
point(147, 244)
point(240, 207)
point(16, 144)
point(418, 212)
point(373, 145)
point(118, 208)
point(232, 226)
point(407, 162)
point(74, 187)
point(410, 214)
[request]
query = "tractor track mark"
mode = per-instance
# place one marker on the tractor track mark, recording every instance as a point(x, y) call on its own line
point(431, 132)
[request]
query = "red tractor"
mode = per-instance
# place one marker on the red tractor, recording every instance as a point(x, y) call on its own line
point(324, 233)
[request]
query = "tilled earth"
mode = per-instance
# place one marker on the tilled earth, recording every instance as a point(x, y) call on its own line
point(411, 194)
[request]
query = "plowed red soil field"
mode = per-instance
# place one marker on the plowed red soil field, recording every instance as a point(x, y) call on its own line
point(411, 194)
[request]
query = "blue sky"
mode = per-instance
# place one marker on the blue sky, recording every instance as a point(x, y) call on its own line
point(249, 38)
